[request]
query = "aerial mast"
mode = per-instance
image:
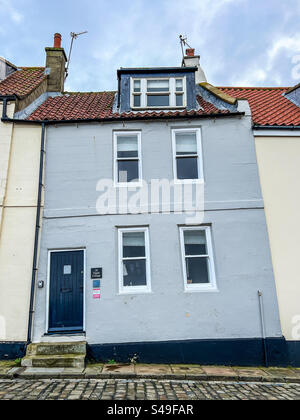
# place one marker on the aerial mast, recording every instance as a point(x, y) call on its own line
point(73, 36)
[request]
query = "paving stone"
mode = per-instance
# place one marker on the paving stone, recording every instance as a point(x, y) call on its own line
point(6, 366)
point(31, 372)
point(118, 369)
point(280, 372)
point(93, 371)
point(72, 373)
point(219, 371)
point(188, 370)
point(253, 373)
point(153, 370)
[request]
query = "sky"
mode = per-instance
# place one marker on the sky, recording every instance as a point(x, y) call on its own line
point(241, 42)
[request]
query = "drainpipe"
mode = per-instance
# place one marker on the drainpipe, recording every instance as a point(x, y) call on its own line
point(36, 239)
point(263, 326)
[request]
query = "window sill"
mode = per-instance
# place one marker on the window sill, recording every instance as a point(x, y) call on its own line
point(189, 181)
point(129, 185)
point(205, 289)
point(135, 292)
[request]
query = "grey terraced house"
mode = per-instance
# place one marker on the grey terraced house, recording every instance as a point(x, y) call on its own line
point(167, 275)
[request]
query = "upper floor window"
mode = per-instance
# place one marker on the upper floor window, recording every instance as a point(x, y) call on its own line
point(134, 260)
point(158, 93)
point(128, 166)
point(187, 154)
point(197, 259)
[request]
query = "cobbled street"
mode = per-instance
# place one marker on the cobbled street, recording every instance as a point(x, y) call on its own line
point(144, 390)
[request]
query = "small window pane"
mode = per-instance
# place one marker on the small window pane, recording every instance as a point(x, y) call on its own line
point(158, 100)
point(127, 146)
point(195, 242)
point(197, 270)
point(134, 273)
point(134, 244)
point(179, 100)
point(186, 143)
point(128, 170)
point(187, 168)
point(137, 100)
point(158, 85)
point(179, 85)
point(137, 86)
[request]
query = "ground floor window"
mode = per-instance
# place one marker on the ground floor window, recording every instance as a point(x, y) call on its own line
point(134, 261)
point(197, 259)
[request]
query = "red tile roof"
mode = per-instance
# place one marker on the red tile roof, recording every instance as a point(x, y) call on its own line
point(23, 81)
point(268, 105)
point(95, 106)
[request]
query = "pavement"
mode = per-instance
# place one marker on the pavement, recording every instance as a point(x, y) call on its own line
point(10, 370)
point(143, 389)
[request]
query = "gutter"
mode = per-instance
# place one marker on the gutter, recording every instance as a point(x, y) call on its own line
point(115, 119)
point(5, 99)
point(276, 127)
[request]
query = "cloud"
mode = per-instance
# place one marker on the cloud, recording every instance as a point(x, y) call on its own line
point(275, 65)
point(7, 8)
point(290, 44)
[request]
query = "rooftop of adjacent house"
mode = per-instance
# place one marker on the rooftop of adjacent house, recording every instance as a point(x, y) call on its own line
point(23, 81)
point(269, 105)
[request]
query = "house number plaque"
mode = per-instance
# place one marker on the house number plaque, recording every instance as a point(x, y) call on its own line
point(96, 273)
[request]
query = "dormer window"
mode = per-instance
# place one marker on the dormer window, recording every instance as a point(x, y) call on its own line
point(158, 93)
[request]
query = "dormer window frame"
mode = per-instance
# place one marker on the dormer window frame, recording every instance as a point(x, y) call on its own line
point(143, 93)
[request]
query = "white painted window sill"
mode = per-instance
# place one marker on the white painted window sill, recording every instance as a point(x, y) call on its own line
point(135, 292)
point(202, 290)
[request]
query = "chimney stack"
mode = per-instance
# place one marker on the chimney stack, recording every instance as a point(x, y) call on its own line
point(190, 52)
point(57, 41)
point(56, 60)
point(192, 60)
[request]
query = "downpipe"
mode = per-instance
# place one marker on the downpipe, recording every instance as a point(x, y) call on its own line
point(36, 239)
point(263, 326)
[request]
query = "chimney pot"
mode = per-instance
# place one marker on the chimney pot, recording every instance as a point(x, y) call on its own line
point(57, 41)
point(190, 52)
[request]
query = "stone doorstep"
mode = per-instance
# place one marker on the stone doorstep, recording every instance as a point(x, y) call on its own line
point(167, 372)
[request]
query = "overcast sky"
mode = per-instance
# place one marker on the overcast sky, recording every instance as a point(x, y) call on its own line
point(241, 42)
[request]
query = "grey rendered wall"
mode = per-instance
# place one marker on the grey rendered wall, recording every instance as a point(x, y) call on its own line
point(77, 157)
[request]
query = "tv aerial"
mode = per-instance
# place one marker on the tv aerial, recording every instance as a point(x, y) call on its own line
point(183, 43)
point(73, 37)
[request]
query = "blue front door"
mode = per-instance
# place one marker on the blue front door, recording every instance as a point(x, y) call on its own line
point(66, 291)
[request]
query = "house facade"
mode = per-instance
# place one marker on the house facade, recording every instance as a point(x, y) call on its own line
point(22, 90)
point(276, 121)
point(154, 244)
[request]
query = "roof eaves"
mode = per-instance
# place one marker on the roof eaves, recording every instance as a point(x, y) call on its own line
point(156, 70)
point(137, 117)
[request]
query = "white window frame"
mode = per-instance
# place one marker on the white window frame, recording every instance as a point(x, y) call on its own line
point(206, 287)
point(134, 289)
point(139, 158)
point(199, 155)
point(172, 92)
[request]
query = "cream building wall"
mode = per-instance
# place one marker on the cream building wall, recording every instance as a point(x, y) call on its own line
point(19, 178)
point(279, 167)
